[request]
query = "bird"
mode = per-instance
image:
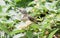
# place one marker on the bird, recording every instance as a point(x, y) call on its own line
point(26, 16)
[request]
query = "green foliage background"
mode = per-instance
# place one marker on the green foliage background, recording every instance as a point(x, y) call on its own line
point(46, 11)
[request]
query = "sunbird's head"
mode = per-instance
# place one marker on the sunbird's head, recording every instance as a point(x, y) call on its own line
point(23, 11)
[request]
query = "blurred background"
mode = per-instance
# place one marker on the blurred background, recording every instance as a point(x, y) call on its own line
point(29, 18)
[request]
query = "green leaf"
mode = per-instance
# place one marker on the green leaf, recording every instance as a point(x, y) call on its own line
point(31, 3)
point(17, 0)
point(52, 33)
point(23, 3)
point(4, 28)
point(0, 9)
point(16, 31)
point(29, 34)
point(34, 26)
